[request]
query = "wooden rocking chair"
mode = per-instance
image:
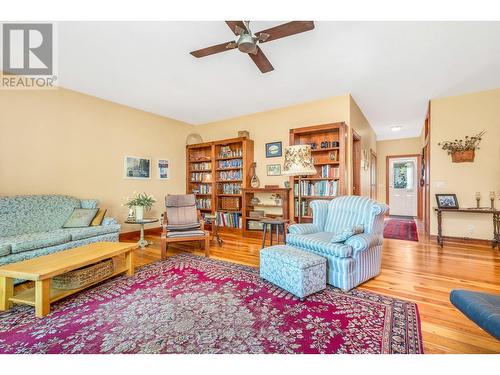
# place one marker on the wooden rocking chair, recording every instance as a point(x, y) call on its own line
point(182, 222)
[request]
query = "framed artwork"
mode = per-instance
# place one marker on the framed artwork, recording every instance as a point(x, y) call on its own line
point(273, 169)
point(137, 168)
point(447, 201)
point(163, 169)
point(273, 149)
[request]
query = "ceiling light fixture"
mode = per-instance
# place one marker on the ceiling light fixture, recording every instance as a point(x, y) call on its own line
point(396, 128)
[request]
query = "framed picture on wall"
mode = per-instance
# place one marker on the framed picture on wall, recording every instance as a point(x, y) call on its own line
point(447, 201)
point(273, 169)
point(137, 168)
point(273, 149)
point(163, 169)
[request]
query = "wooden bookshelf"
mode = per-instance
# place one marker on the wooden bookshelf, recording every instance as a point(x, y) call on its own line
point(274, 210)
point(227, 171)
point(329, 161)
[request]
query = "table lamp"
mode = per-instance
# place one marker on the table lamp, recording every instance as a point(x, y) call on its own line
point(298, 162)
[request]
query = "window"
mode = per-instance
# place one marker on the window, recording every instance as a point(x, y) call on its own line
point(403, 175)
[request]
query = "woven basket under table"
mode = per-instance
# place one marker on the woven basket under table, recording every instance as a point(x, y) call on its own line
point(82, 277)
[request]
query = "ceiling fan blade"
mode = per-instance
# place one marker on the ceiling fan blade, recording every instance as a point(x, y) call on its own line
point(211, 50)
point(261, 61)
point(286, 29)
point(233, 24)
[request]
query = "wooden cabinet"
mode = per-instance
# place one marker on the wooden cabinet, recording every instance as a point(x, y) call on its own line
point(329, 151)
point(216, 172)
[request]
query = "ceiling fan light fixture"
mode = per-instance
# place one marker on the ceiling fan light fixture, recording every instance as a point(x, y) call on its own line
point(246, 43)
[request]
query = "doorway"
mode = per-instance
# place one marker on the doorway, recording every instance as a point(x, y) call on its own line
point(402, 185)
point(373, 175)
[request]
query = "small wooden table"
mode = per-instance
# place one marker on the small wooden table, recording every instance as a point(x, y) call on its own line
point(42, 269)
point(496, 222)
point(279, 225)
point(142, 241)
point(212, 220)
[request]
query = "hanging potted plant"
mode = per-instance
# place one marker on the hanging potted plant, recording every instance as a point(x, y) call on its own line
point(140, 202)
point(463, 150)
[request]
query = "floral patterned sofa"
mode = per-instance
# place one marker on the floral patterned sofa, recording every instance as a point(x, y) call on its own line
point(32, 225)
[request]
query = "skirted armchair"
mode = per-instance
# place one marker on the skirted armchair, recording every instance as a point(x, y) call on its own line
point(358, 258)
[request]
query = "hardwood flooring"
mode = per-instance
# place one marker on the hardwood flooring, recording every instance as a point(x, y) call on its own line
point(421, 272)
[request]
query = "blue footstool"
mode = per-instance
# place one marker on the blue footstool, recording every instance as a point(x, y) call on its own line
point(298, 272)
point(483, 309)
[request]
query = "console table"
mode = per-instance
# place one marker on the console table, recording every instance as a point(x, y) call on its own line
point(496, 222)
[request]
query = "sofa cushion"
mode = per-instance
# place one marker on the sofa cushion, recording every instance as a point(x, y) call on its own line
point(99, 217)
point(4, 248)
point(34, 213)
point(33, 241)
point(81, 217)
point(319, 242)
point(348, 233)
point(88, 232)
point(89, 203)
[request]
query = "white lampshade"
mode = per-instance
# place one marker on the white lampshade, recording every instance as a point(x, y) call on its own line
point(298, 161)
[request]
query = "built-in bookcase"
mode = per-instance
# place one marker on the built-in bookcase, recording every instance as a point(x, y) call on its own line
point(328, 143)
point(216, 173)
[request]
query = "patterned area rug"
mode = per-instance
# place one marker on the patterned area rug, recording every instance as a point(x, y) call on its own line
point(190, 304)
point(400, 229)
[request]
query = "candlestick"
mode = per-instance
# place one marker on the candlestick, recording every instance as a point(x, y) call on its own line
point(478, 199)
point(492, 199)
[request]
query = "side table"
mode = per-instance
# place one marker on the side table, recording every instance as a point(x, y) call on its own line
point(279, 225)
point(142, 242)
point(212, 220)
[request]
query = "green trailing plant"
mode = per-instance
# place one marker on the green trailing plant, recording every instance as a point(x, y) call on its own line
point(460, 145)
point(141, 199)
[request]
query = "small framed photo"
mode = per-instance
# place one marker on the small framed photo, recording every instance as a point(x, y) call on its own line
point(273, 169)
point(273, 149)
point(137, 168)
point(163, 169)
point(447, 201)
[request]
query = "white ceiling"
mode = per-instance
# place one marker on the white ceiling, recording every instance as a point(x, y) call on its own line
point(391, 68)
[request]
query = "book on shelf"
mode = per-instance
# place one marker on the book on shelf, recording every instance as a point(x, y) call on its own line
point(202, 189)
point(227, 152)
point(230, 175)
point(317, 188)
point(232, 163)
point(201, 177)
point(201, 166)
point(329, 171)
point(204, 203)
point(230, 188)
point(304, 205)
point(229, 219)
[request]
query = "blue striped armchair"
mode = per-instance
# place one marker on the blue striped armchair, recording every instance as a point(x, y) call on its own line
point(354, 261)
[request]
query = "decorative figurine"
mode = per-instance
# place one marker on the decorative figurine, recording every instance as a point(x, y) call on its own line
point(492, 199)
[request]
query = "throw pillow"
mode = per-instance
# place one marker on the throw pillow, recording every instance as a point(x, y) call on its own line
point(99, 217)
point(81, 217)
point(89, 203)
point(348, 233)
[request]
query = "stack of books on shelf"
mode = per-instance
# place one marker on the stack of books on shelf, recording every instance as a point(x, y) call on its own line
point(305, 206)
point(200, 176)
point(230, 175)
point(202, 189)
point(328, 171)
point(231, 189)
point(201, 166)
point(232, 163)
point(228, 153)
point(203, 203)
point(229, 219)
point(318, 188)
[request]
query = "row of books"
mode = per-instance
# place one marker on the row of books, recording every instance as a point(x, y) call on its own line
point(201, 176)
point(317, 188)
point(203, 203)
point(201, 166)
point(330, 171)
point(226, 152)
point(304, 205)
point(202, 189)
point(229, 219)
point(232, 163)
point(230, 175)
point(230, 189)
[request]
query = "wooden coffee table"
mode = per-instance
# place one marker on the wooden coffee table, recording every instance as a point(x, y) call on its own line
point(42, 269)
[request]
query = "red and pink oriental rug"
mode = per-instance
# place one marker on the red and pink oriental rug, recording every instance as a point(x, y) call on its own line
point(190, 304)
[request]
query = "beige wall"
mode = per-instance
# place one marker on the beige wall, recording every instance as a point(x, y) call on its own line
point(63, 142)
point(456, 117)
point(274, 126)
point(390, 147)
point(360, 124)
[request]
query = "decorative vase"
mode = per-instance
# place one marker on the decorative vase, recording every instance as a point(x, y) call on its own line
point(462, 156)
point(139, 213)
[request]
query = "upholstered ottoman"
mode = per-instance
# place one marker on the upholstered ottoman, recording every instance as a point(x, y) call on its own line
point(298, 272)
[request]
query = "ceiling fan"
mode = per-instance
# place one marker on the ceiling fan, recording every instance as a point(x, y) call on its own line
point(247, 42)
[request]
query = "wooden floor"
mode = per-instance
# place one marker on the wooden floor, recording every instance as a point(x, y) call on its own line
point(420, 272)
